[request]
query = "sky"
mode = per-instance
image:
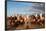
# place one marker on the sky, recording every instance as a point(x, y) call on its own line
point(24, 8)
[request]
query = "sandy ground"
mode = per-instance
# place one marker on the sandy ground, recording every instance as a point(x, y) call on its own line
point(27, 26)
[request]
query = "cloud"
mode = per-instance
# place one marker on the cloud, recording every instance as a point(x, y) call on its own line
point(35, 8)
point(39, 6)
point(29, 10)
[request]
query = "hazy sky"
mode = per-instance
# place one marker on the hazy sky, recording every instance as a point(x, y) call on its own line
point(24, 8)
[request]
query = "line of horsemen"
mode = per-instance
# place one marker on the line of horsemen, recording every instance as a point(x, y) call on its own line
point(21, 20)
